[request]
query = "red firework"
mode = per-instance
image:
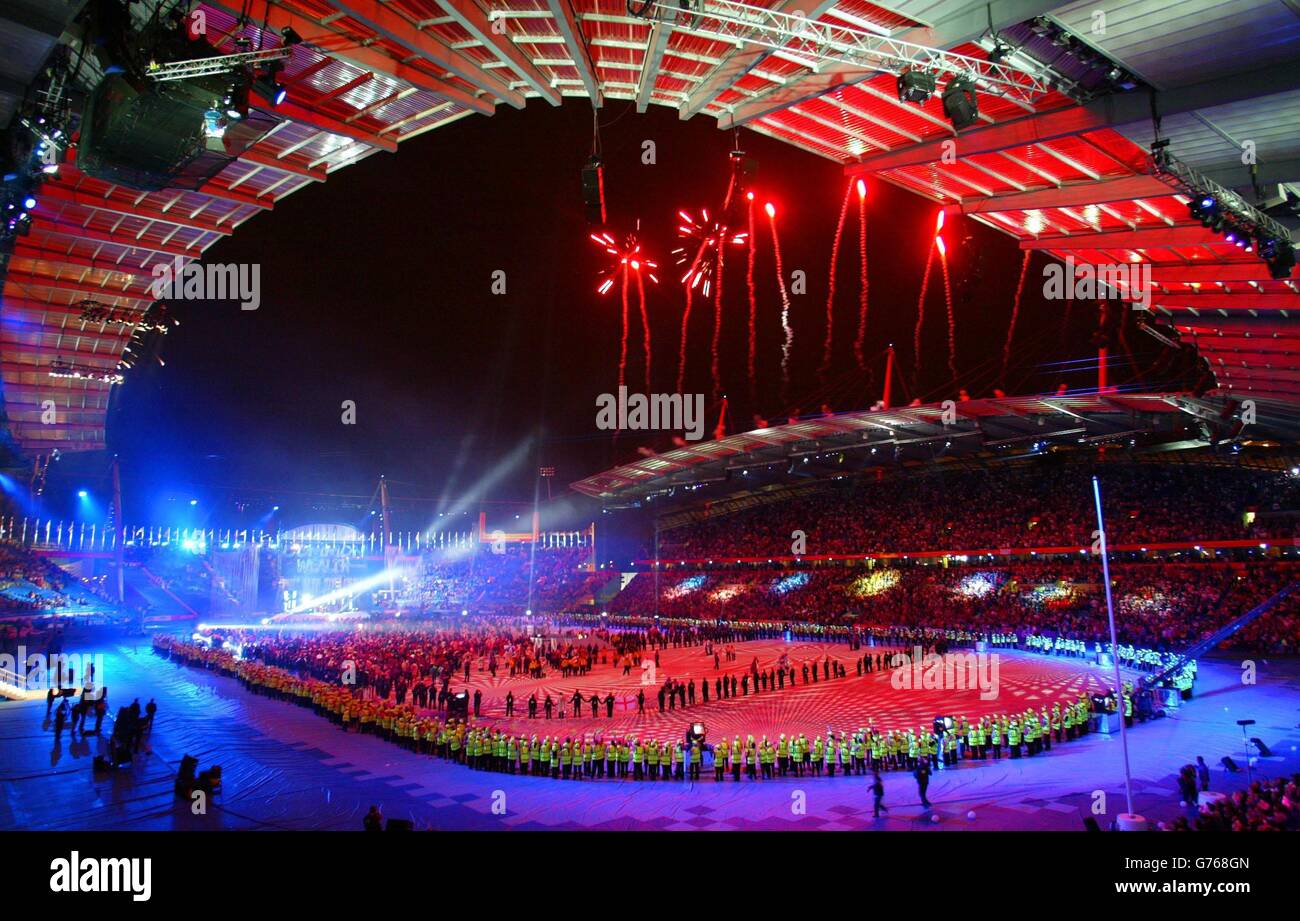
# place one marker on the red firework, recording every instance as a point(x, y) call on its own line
point(626, 254)
point(709, 235)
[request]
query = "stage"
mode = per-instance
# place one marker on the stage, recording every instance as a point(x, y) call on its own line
point(842, 704)
point(286, 768)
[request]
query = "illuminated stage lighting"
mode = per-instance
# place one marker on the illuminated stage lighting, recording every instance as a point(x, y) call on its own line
point(236, 101)
point(271, 89)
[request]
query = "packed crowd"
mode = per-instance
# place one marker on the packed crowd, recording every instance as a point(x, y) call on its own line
point(1267, 805)
point(31, 585)
point(1161, 606)
point(969, 510)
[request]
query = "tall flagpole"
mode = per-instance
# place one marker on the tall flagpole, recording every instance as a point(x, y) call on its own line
point(1114, 647)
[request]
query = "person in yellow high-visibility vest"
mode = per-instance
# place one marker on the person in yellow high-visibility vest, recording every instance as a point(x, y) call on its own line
point(652, 762)
point(719, 760)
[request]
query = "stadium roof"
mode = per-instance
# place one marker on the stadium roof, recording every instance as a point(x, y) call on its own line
point(1060, 176)
point(846, 443)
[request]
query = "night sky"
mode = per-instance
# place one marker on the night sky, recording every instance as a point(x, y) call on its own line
point(376, 289)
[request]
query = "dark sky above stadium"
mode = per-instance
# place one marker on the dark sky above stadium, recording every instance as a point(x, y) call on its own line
point(376, 288)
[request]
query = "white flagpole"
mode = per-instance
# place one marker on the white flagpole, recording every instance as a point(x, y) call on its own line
point(1114, 647)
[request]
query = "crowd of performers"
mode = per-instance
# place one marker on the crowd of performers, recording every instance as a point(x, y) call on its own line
point(588, 754)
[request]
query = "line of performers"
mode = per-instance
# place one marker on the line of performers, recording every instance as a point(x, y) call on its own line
point(481, 747)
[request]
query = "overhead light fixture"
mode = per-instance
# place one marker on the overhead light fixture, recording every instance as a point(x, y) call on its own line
point(290, 37)
point(959, 102)
point(915, 86)
point(271, 89)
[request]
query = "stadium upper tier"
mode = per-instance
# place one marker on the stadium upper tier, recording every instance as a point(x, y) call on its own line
point(840, 444)
point(971, 511)
point(1056, 156)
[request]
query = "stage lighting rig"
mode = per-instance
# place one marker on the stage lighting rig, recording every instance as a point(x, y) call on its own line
point(237, 63)
point(835, 42)
point(1222, 210)
point(61, 368)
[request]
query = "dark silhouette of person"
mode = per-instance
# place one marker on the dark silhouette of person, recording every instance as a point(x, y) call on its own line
point(922, 775)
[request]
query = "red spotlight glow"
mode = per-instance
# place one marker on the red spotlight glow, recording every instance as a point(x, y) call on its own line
point(938, 241)
point(770, 209)
point(749, 195)
point(938, 222)
point(862, 189)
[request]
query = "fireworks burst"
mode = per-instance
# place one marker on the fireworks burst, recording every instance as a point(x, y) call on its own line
point(627, 254)
point(627, 261)
point(708, 235)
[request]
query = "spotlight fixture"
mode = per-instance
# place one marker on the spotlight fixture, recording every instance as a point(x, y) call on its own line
point(271, 89)
point(959, 102)
point(1283, 261)
point(235, 102)
point(290, 37)
point(915, 86)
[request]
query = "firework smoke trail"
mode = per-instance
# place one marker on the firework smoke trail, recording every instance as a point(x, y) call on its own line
point(862, 288)
point(952, 322)
point(622, 356)
point(681, 351)
point(828, 347)
point(645, 326)
point(788, 344)
point(714, 366)
point(1015, 314)
point(690, 283)
point(920, 315)
point(753, 307)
